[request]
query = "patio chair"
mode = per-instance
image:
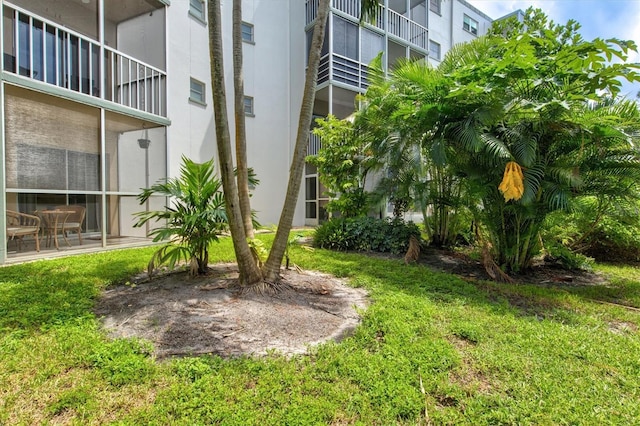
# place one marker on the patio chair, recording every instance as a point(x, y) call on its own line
point(20, 225)
point(74, 220)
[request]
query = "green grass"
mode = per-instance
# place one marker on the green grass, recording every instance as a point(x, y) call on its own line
point(483, 353)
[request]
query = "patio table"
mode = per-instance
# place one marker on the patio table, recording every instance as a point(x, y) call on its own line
point(52, 220)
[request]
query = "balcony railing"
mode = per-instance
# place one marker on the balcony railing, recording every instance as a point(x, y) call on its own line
point(134, 84)
point(343, 70)
point(315, 143)
point(44, 51)
point(406, 29)
point(397, 25)
point(352, 8)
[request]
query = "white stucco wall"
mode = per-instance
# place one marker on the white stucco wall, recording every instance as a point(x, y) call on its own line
point(446, 28)
point(273, 76)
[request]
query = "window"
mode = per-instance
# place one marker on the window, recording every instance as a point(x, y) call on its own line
point(470, 25)
point(197, 93)
point(434, 50)
point(345, 38)
point(434, 6)
point(372, 44)
point(247, 32)
point(248, 106)
point(196, 9)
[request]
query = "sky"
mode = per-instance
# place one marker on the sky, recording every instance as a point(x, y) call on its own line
point(598, 18)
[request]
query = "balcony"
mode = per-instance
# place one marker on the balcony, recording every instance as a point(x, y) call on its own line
point(39, 49)
point(341, 69)
point(396, 24)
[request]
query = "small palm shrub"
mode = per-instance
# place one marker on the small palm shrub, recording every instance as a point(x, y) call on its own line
point(366, 234)
point(194, 219)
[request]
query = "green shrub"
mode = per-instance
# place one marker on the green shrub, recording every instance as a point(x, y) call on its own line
point(615, 240)
point(366, 234)
point(568, 258)
point(610, 236)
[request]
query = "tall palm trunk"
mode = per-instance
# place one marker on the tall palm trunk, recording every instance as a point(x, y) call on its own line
point(271, 269)
point(241, 136)
point(249, 272)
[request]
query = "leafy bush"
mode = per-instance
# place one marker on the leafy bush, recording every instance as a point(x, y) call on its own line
point(568, 258)
point(615, 240)
point(611, 234)
point(366, 234)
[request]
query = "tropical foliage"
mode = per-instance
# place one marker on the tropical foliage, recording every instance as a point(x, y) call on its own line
point(342, 167)
point(366, 234)
point(512, 126)
point(193, 220)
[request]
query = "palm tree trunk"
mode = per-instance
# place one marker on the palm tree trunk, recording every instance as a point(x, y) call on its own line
point(249, 272)
point(271, 268)
point(241, 136)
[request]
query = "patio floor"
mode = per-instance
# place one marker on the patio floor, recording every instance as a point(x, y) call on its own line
point(90, 244)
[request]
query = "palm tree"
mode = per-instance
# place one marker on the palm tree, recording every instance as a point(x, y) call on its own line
point(241, 135)
point(521, 100)
point(534, 109)
point(192, 222)
point(271, 268)
point(249, 273)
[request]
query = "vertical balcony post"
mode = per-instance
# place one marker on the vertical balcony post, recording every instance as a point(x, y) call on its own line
point(30, 45)
point(68, 62)
point(16, 39)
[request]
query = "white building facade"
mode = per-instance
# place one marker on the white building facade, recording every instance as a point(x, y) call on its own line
point(100, 98)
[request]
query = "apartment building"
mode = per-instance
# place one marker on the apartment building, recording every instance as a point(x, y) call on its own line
point(100, 98)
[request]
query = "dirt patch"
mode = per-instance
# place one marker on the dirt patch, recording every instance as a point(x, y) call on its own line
point(622, 327)
point(541, 273)
point(191, 316)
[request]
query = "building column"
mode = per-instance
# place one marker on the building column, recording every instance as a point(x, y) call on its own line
point(3, 199)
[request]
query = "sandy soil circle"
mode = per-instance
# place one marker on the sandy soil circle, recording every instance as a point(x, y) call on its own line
point(206, 315)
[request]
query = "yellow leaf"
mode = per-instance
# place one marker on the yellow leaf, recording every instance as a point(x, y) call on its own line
point(512, 185)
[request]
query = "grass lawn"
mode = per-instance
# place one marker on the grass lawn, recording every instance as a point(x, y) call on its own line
point(432, 349)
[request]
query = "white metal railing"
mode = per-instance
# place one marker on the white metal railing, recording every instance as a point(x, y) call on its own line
point(133, 83)
point(348, 71)
point(324, 69)
point(397, 24)
point(406, 29)
point(352, 8)
point(344, 70)
point(315, 143)
point(311, 10)
point(45, 51)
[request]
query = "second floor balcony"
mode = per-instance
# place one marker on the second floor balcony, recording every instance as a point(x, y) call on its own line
point(62, 50)
point(406, 23)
